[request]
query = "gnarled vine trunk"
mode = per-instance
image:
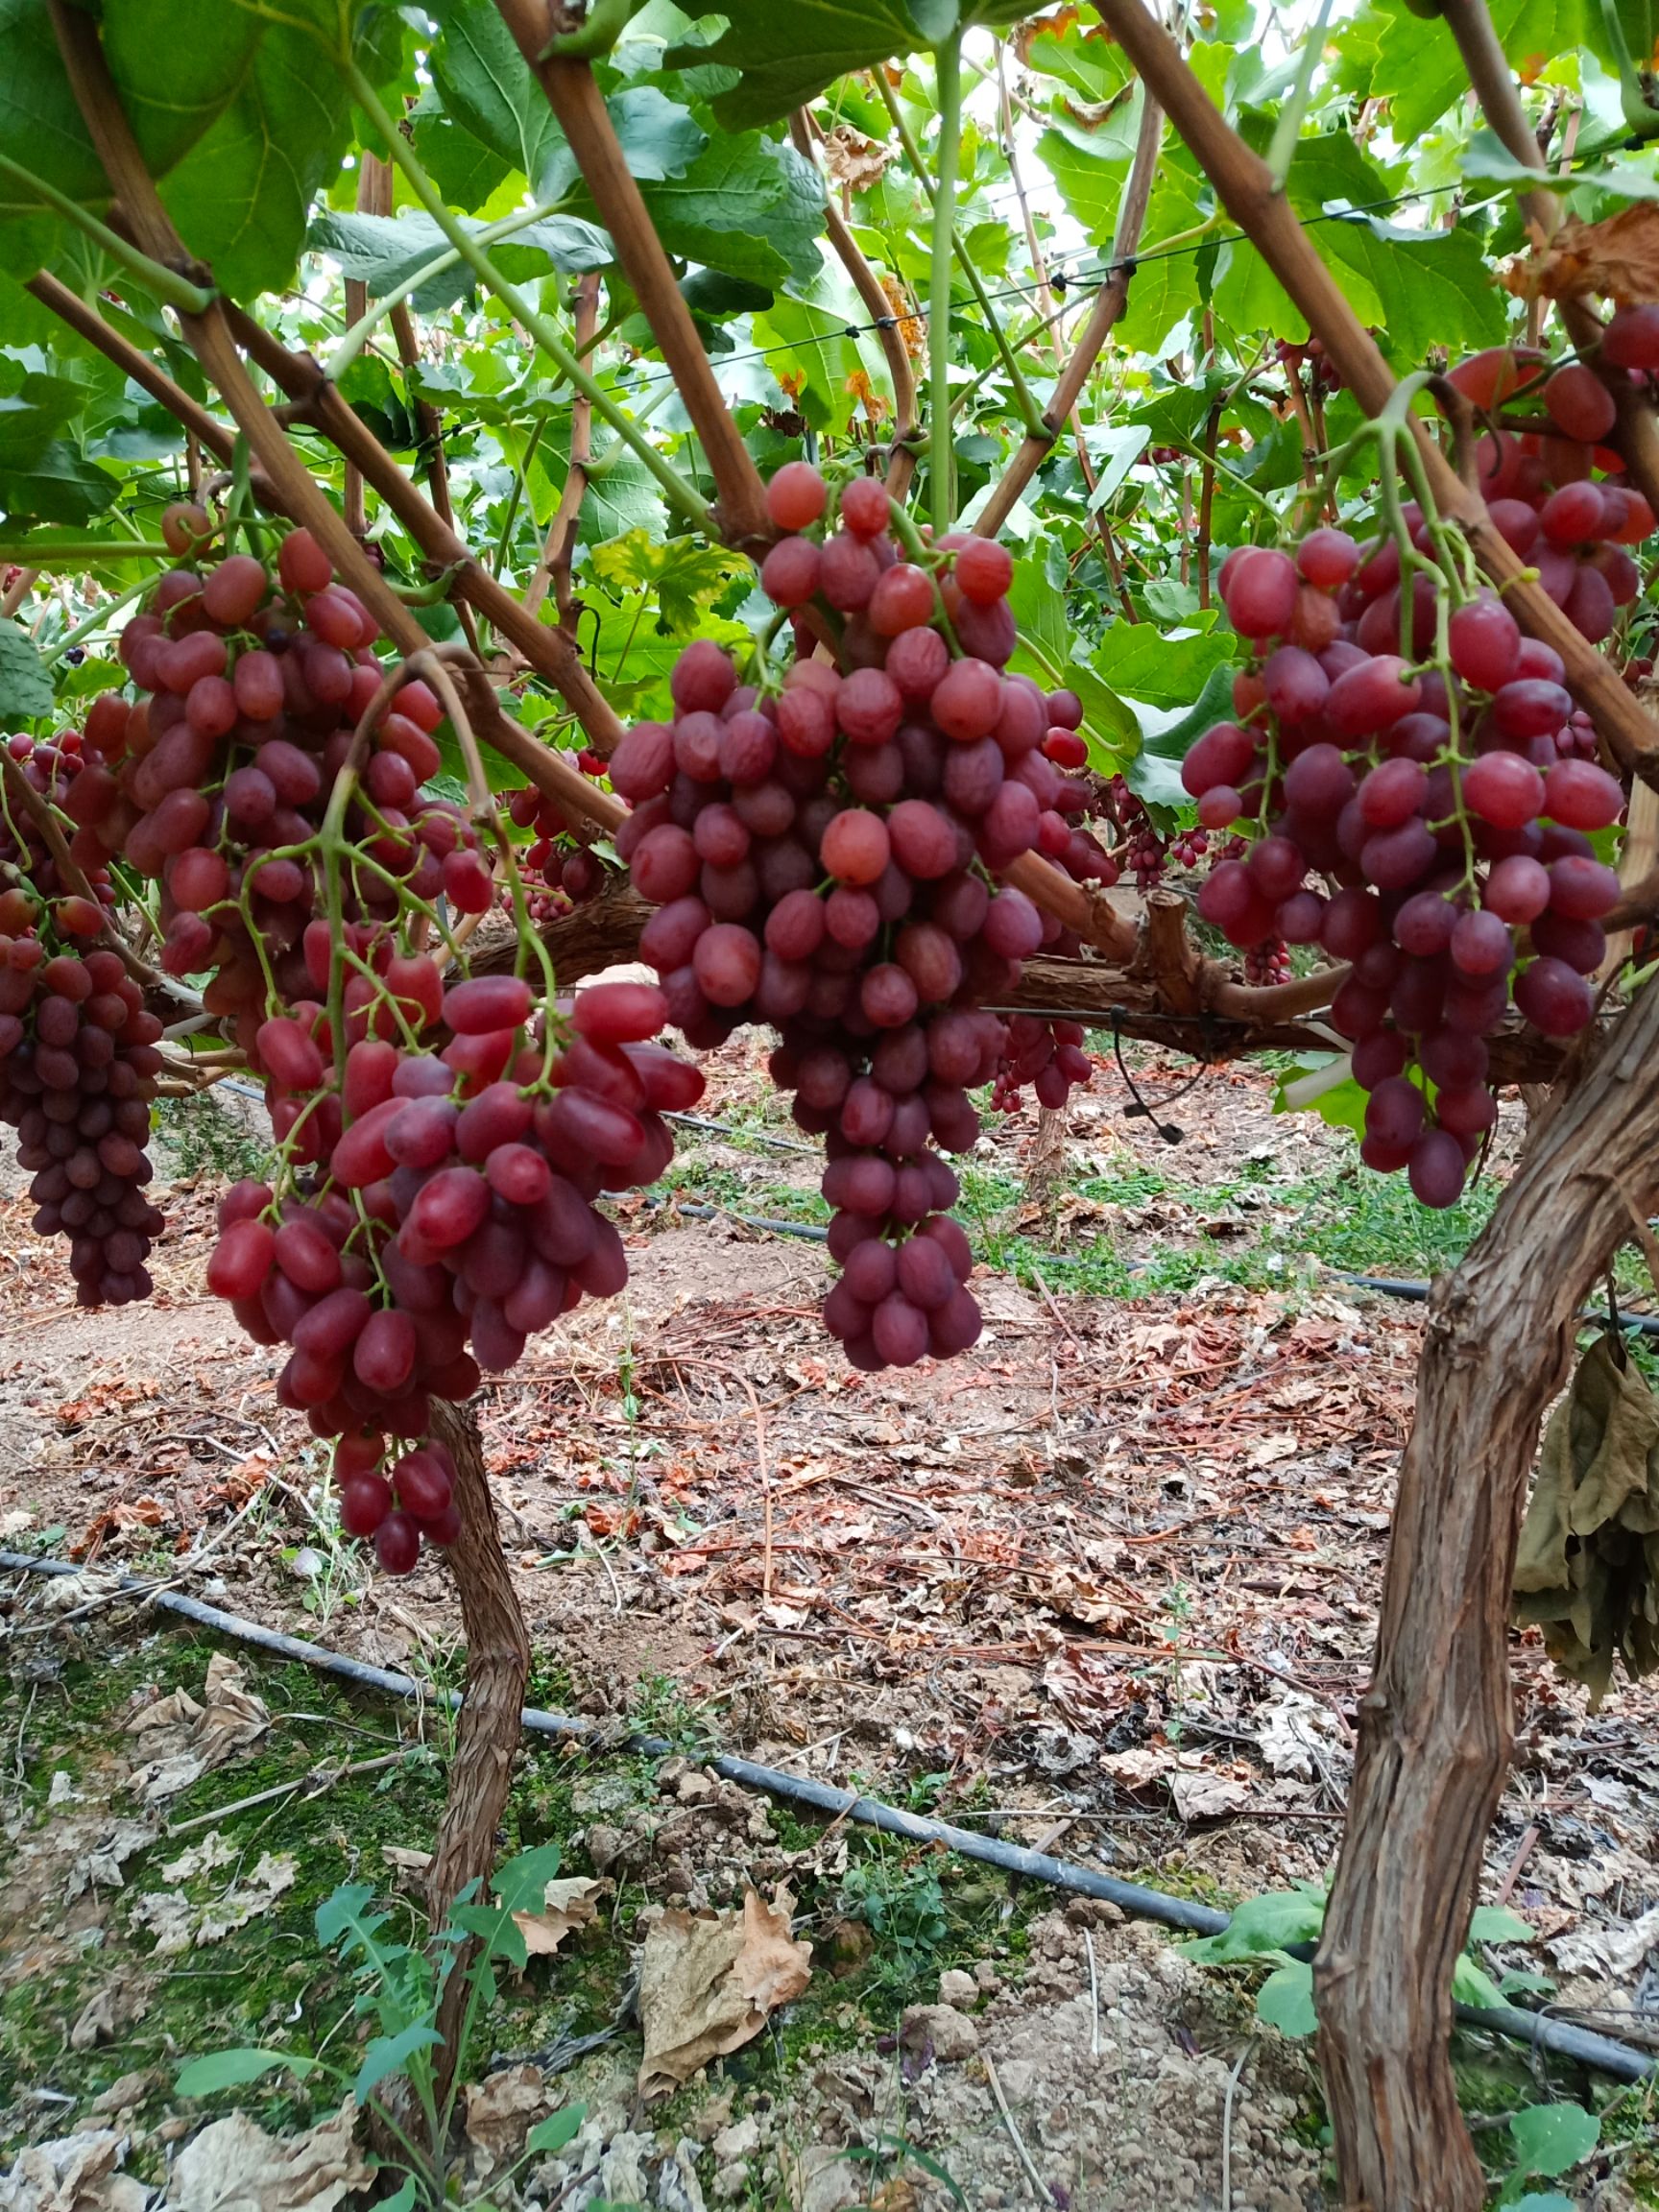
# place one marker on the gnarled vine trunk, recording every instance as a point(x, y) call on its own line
point(487, 1731)
point(1435, 1726)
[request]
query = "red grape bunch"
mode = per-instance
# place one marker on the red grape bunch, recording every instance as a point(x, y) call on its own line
point(1542, 490)
point(823, 851)
point(1045, 1053)
point(217, 779)
point(559, 872)
point(438, 1209)
point(1421, 821)
point(78, 1057)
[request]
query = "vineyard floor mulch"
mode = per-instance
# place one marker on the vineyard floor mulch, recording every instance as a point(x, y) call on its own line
point(1107, 1584)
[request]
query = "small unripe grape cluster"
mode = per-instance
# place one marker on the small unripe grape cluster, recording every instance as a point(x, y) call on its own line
point(449, 1213)
point(1047, 1054)
point(1444, 814)
point(558, 873)
point(822, 851)
point(217, 779)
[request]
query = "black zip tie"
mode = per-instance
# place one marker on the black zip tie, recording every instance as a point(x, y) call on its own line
point(594, 646)
point(885, 323)
point(1140, 1110)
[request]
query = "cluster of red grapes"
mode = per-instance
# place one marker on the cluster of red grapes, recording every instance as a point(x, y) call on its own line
point(217, 779)
point(1542, 493)
point(449, 1212)
point(822, 851)
point(1448, 830)
point(439, 1158)
point(1267, 963)
point(559, 872)
point(78, 1057)
point(1047, 1054)
point(1142, 848)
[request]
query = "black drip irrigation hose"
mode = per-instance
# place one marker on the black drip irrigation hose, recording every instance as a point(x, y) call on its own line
point(1535, 2029)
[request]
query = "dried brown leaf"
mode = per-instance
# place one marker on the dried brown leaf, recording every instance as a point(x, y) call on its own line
point(708, 1983)
point(853, 160)
point(1617, 258)
point(567, 1905)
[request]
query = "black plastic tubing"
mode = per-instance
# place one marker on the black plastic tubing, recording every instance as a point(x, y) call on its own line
point(1514, 2022)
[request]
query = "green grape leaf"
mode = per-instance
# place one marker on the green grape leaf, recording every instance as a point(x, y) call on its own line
point(178, 66)
point(1286, 2000)
point(1429, 288)
point(489, 88)
point(465, 170)
point(1487, 156)
point(384, 251)
point(749, 207)
point(25, 686)
point(1140, 662)
point(788, 54)
point(1154, 775)
point(242, 195)
point(1550, 2138)
point(1390, 54)
point(1163, 292)
point(809, 327)
point(1094, 68)
point(1339, 1103)
point(1089, 167)
point(685, 574)
point(1049, 653)
point(56, 484)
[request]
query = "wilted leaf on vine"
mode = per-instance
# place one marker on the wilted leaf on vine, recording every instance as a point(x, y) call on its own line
point(853, 160)
point(1617, 258)
point(1587, 1569)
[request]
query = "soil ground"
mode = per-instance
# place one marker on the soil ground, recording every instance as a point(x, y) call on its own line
point(1106, 1585)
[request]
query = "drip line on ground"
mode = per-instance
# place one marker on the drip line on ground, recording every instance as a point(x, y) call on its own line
point(1536, 2030)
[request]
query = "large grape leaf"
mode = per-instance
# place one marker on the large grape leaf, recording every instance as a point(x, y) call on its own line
point(241, 197)
point(788, 49)
point(385, 251)
point(814, 342)
point(54, 484)
point(465, 170)
point(1141, 662)
point(488, 87)
point(749, 207)
point(1154, 775)
point(174, 78)
point(1389, 52)
point(1432, 288)
point(685, 575)
point(25, 688)
point(241, 116)
point(178, 67)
